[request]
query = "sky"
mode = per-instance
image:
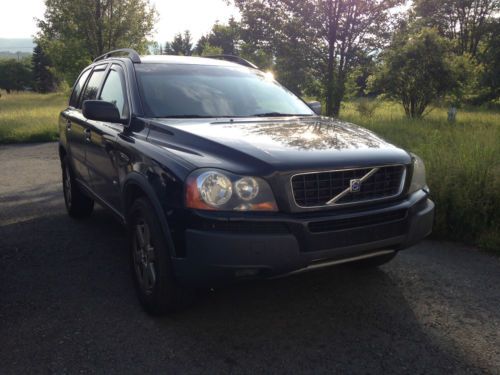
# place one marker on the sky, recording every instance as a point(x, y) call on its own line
point(17, 18)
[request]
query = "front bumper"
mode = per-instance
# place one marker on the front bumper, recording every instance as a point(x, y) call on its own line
point(223, 247)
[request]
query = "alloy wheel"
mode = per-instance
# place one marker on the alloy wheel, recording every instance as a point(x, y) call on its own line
point(144, 257)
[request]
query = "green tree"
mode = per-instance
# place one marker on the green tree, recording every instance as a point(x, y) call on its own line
point(490, 59)
point(357, 80)
point(261, 57)
point(167, 49)
point(317, 38)
point(228, 39)
point(181, 45)
point(73, 32)
point(200, 45)
point(210, 50)
point(15, 75)
point(43, 78)
point(467, 76)
point(463, 21)
point(416, 70)
point(225, 37)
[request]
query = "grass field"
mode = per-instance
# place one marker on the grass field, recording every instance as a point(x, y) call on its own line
point(29, 117)
point(462, 159)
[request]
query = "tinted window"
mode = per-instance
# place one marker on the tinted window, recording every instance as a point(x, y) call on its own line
point(170, 90)
point(90, 92)
point(113, 91)
point(73, 101)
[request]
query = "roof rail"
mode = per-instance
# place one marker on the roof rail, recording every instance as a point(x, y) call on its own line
point(235, 59)
point(132, 55)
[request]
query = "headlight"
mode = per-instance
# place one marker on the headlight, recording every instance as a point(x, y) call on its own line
point(221, 190)
point(215, 188)
point(418, 178)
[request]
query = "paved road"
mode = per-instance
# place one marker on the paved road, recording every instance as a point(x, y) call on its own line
point(67, 304)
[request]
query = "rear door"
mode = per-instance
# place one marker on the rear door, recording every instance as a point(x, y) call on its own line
point(103, 157)
point(77, 128)
point(74, 131)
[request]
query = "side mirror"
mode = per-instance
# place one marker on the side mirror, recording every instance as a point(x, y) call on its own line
point(100, 110)
point(316, 107)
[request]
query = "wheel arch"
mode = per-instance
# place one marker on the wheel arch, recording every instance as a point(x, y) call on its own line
point(136, 186)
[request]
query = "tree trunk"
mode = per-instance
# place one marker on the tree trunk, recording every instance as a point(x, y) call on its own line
point(98, 20)
point(341, 78)
point(339, 96)
point(110, 20)
point(332, 37)
point(329, 84)
point(336, 106)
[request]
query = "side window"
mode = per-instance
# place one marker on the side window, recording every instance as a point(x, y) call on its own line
point(90, 92)
point(73, 101)
point(113, 91)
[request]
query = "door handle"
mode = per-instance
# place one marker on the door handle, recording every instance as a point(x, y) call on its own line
point(68, 125)
point(88, 134)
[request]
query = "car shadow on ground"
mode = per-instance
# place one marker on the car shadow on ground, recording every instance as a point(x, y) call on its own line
point(67, 303)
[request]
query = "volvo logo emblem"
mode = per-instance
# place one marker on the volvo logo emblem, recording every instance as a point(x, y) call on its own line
point(355, 185)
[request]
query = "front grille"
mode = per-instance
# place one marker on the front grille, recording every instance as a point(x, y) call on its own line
point(316, 189)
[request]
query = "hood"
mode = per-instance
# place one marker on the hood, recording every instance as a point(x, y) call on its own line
point(289, 144)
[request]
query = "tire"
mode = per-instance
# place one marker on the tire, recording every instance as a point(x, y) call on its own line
point(151, 265)
point(373, 262)
point(77, 203)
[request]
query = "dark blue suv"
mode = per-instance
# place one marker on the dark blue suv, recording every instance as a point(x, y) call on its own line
point(221, 174)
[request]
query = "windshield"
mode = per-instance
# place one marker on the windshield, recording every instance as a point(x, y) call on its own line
point(175, 90)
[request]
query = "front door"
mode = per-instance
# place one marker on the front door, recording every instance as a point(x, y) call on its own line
point(103, 157)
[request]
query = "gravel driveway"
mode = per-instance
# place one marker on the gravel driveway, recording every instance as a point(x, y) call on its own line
point(67, 303)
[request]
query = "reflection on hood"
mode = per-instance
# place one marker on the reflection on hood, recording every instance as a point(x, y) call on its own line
point(310, 134)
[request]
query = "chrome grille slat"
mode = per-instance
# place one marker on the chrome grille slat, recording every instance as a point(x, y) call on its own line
point(315, 189)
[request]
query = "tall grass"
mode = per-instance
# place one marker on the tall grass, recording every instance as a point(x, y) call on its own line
point(462, 161)
point(30, 117)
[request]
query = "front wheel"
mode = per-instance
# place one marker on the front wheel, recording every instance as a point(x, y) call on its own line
point(77, 203)
point(155, 284)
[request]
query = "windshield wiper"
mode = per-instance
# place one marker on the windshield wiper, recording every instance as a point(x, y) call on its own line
point(268, 114)
point(185, 116)
point(278, 114)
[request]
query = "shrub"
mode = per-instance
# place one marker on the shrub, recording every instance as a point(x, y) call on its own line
point(416, 71)
point(366, 106)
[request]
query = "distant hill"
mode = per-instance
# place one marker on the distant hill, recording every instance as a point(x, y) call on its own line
point(14, 55)
point(24, 45)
